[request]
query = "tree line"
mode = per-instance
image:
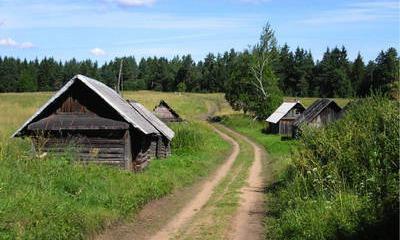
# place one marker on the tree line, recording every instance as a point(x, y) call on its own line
point(296, 72)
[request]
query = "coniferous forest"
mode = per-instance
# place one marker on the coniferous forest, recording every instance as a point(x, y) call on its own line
point(298, 74)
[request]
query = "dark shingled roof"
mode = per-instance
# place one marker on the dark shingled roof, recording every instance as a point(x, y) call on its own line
point(312, 111)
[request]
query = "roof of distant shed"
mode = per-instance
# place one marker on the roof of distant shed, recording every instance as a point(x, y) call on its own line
point(131, 115)
point(281, 111)
point(316, 108)
point(165, 104)
point(152, 119)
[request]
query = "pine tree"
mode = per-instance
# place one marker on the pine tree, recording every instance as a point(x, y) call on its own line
point(387, 70)
point(27, 80)
point(333, 74)
point(358, 74)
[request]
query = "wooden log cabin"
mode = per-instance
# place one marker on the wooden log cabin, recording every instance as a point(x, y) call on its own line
point(281, 121)
point(98, 125)
point(164, 112)
point(320, 113)
point(161, 146)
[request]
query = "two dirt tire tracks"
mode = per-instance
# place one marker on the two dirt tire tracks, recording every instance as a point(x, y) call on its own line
point(248, 219)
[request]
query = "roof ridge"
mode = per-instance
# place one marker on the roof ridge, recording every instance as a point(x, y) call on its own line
point(120, 105)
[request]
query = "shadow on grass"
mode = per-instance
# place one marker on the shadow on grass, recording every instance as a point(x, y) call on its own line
point(274, 186)
point(386, 228)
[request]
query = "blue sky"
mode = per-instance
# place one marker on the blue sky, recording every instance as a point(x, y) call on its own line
point(104, 29)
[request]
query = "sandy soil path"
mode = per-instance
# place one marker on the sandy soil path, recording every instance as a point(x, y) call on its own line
point(202, 197)
point(162, 219)
point(248, 221)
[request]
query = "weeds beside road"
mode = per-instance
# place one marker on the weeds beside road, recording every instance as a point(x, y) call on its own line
point(341, 181)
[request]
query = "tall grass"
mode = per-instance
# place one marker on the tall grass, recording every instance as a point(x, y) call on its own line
point(50, 198)
point(189, 137)
point(338, 182)
point(343, 182)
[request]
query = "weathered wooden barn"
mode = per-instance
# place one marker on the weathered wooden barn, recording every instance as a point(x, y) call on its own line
point(320, 113)
point(99, 126)
point(161, 146)
point(166, 113)
point(281, 121)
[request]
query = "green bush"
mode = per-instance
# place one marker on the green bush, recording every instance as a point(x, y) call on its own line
point(344, 180)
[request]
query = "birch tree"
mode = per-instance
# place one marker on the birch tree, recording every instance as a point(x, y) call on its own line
point(264, 54)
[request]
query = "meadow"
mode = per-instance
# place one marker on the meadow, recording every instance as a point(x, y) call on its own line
point(50, 198)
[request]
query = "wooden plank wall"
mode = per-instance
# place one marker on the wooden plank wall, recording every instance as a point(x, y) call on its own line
point(285, 127)
point(326, 116)
point(85, 149)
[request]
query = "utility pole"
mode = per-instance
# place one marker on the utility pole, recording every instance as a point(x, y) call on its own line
point(119, 84)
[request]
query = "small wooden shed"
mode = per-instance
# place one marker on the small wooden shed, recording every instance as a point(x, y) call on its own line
point(161, 147)
point(320, 113)
point(166, 113)
point(281, 121)
point(98, 125)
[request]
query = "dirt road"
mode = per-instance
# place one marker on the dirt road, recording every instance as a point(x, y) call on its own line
point(202, 197)
point(162, 219)
point(248, 222)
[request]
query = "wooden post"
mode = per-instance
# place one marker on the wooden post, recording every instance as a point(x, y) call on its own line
point(128, 151)
point(119, 90)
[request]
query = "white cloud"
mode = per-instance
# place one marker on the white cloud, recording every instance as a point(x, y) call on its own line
point(358, 12)
point(8, 42)
point(135, 3)
point(26, 45)
point(98, 52)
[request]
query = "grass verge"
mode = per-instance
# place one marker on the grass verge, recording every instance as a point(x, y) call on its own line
point(278, 151)
point(51, 198)
point(341, 182)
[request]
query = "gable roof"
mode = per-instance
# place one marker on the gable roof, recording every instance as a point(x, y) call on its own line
point(108, 95)
point(165, 104)
point(152, 119)
point(314, 110)
point(281, 111)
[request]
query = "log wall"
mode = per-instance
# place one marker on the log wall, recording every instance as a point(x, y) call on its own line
point(163, 148)
point(113, 150)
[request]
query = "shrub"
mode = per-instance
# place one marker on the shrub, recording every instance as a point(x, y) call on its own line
point(344, 179)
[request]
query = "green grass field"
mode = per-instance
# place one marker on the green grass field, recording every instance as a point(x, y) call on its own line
point(53, 199)
point(307, 101)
